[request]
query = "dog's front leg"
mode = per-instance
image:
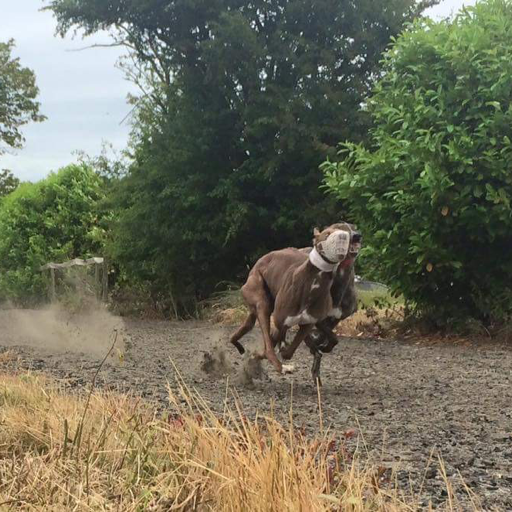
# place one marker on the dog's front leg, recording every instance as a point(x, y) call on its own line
point(329, 340)
point(278, 335)
point(288, 351)
point(315, 370)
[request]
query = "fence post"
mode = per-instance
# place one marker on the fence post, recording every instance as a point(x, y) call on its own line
point(104, 294)
point(53, 294)
point(97, 281)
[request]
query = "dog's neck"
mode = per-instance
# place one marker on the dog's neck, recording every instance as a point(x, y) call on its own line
point(317, 261)
point(347, 262)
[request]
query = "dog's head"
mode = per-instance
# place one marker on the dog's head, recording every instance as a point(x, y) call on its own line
point(338, 242)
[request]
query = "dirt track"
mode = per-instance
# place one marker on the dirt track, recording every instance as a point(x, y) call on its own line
point(409, 401)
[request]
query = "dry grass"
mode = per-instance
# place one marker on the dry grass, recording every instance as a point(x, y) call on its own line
point(230, 316)
point(109, 452)
point(226, 307)
point(372, 322)
point(7, 356)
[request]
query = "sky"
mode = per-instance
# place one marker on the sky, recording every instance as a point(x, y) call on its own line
point(82, 93)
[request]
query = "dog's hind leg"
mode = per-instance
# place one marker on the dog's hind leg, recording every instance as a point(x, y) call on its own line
point(242, 331)
point(261, 304)
point(264, 312)
point(253, 292)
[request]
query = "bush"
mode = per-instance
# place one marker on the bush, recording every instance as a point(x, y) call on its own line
point(433, 191)
point(52, 220)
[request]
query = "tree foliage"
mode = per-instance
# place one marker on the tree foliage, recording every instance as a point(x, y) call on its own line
point(18, 93)
point(242, 100)
point(53, 220)
point(433, 189)
point(8, 182)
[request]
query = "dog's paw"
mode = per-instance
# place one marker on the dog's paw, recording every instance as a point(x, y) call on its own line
point(288, 368)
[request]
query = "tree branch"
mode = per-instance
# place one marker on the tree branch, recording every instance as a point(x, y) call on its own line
point(99, 45)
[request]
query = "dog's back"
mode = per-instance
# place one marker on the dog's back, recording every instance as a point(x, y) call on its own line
point(277, 267)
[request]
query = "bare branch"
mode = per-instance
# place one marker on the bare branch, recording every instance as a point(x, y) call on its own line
point(98, 45)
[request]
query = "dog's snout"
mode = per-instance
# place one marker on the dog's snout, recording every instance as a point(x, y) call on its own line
point(356, 238)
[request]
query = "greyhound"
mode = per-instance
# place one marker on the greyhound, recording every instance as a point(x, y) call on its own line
point(343, 293)
point(295, 288)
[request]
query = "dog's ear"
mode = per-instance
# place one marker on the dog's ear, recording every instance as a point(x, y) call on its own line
point(316, 234)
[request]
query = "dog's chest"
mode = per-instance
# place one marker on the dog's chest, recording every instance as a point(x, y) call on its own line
point(316, 303)
point(303, 318)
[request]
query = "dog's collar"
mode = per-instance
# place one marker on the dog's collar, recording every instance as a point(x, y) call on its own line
point(317, 261)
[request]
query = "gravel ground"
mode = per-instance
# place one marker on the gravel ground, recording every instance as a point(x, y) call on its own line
point(410, 402)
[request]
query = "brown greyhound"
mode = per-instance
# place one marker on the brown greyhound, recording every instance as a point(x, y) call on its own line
point(295, 288)
point(343, 293)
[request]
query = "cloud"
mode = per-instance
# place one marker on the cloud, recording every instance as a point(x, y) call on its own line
point(448, 8)
point(82, 93)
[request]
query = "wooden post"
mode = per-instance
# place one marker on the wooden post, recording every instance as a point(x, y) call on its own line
point(53, 295)
point(98, 286)
point(105, 280)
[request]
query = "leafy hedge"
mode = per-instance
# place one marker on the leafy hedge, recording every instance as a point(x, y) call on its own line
point(433, 190)
point(55, 219)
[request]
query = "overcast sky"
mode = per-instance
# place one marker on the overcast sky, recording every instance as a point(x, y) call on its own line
point(83, 94)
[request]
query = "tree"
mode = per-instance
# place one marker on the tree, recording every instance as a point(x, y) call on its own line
point(18, 93)
point(432, 189)
point(55, 219)
point(8, 182)
point(242, 100)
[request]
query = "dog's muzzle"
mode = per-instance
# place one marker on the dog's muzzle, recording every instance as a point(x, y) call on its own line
point(337, 246)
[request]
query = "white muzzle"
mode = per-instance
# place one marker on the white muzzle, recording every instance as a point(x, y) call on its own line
point(336, 247)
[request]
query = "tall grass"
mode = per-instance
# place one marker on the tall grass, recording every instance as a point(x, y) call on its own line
point(60, 451)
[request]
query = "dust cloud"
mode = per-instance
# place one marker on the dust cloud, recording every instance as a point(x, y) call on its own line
point(54, 329)
point(218, 364)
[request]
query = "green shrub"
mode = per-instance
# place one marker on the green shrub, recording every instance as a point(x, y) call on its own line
point(52, 220)
point(433, 191)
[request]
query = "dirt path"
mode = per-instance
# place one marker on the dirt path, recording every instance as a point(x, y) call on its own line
point(410, 402)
